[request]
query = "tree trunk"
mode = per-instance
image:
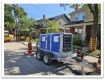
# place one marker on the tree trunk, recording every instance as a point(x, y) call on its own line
point(95, 12)
point(93, 39)
point(94, 27)
point(15, 34)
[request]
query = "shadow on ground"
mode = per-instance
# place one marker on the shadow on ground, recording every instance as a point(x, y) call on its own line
point(16, 63)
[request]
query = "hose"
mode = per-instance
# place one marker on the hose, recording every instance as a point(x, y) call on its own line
point(35, 46)
point(24, 43)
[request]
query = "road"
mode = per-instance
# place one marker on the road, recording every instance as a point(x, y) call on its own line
point(16, 63)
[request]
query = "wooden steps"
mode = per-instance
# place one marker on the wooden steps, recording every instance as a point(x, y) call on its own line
point(93, 44)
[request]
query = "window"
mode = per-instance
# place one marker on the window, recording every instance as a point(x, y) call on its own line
point(6, 33)
point(79, 30)
point(76, 16)
point(59, 23)
point(75, 31)
point(83, 17)
point(80, 16)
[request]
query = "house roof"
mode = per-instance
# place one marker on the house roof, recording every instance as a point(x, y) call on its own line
point(87, 21)
point(60, 16)
point(76, 22)
point(57, 17)
point(38, 26)
point(41, 26)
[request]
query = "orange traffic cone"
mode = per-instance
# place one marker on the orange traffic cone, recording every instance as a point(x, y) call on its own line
point(29, 48)
point(99, 62)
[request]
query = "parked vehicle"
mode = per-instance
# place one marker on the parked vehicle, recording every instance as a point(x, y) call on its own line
point(7, 36)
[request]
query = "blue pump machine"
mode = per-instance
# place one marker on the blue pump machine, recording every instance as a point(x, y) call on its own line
point(59, 44)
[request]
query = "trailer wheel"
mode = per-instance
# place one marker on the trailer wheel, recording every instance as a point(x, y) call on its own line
point(38, 55)
point(47, 58)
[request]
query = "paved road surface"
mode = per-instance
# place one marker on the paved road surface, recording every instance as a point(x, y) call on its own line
point(16, 63)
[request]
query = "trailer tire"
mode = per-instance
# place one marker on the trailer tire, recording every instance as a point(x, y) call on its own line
point(37, 46)
point(38, 55)
point(47, 58)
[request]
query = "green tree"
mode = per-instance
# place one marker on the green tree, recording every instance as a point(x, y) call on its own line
point(8, 17)
point(70, 5)
point(52, 27)
point(12, 13)
point(18, 12)
point(27, 25)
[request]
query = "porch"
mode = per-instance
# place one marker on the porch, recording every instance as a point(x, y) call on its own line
point(83, 30)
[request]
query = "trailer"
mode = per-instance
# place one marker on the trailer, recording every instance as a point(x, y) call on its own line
point(59, 46)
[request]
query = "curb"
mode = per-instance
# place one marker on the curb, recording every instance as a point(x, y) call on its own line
point(93, 56)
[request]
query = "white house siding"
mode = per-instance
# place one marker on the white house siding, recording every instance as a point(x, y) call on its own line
point(63, 21)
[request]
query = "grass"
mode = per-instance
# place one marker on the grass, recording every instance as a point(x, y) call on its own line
point(96, 52)
point(75, 47)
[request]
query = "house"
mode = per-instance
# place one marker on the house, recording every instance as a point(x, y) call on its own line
point(60, 21)
point(81, 22)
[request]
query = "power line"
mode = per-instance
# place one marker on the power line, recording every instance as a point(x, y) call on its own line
point(35, 15)
point(41, 8)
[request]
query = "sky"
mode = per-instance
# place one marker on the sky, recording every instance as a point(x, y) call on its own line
point(49, 10)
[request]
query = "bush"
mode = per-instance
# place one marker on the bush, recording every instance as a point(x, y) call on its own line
point(96, 52)
point(32, 40)
point(22, 38)
point(33, 35)
point(75, 47)
point(77, 41)
point(37, 35)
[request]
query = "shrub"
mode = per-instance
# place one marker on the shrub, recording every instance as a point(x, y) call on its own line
point(77, 41)
point(37, 35)
point(22, 38)
point(75, 47)
point(33, 35)
point(96, 52)
point(32, 40)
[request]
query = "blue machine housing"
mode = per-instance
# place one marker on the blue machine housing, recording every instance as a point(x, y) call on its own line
point(54, 42)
